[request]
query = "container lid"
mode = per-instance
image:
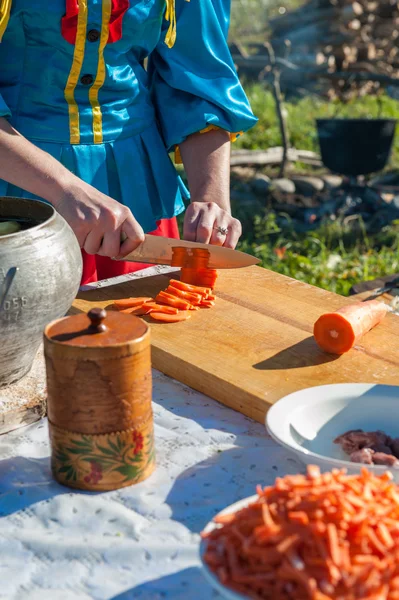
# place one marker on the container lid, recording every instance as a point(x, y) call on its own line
point(97, 328)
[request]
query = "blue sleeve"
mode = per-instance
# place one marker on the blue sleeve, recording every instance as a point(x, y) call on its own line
point(4, 110)
point(194, 84)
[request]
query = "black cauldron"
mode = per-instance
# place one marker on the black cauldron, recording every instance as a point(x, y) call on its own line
point(355, 147)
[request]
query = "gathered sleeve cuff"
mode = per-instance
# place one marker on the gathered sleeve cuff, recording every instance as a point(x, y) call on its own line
point(194, 84)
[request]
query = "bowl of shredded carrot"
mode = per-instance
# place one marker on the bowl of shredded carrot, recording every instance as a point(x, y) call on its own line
point(340, 426)
point(319, 536)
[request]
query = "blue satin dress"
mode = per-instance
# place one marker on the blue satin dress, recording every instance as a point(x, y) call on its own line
point(72, 81)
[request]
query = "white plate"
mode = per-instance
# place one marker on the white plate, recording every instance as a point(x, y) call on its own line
point(308, 421)
point(209, 575)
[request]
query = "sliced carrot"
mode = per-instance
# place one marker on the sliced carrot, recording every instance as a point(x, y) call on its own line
point(130, 302)
point(193, 258)
point(338, 332)
point(180, 285)
point(207, 304)
point(188, 296)
point(200, 277)
point(166, 318)
point(144, 309)
point(165, 298)
point(154, 307)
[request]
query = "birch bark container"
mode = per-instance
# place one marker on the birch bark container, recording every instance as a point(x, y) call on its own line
point(99, 386)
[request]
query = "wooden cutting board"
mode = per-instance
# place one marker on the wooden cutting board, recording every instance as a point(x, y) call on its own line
point(256, 345)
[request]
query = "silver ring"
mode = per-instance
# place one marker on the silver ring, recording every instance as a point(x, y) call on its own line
point(222, 230)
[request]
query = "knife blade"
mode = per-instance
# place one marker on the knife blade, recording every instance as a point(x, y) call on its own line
point(159, 250)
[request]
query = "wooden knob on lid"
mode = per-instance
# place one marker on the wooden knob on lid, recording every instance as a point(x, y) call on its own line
point(97, 316)
point(99, 385)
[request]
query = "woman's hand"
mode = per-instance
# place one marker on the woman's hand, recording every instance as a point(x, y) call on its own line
point(99, 222)
point(206, 158)
point(207, 223)
point(102, 225)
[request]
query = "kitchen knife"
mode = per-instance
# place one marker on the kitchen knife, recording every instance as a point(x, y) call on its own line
point(159, 250)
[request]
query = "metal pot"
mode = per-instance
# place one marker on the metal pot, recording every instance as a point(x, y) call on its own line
point(49, 271)
point(355, 147)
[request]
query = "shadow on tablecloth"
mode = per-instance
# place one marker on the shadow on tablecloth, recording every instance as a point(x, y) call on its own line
point(26, 481)
point(187, 583)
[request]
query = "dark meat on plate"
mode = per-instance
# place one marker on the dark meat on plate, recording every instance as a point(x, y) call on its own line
point(365, 456)
point(380, 458)
point(356, 439)
point(395, 447)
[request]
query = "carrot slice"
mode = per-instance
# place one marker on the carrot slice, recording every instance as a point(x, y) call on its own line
point(193, 258)
point(338, 332)
point(207, 304)
point(181, 285)
point(201, 277)
point(189, 296)
point(130, 302)
point(162, 308)
point(166, 318)
point(165, 298)
point(137, 310)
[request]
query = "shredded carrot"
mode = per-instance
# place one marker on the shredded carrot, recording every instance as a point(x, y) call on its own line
point(334, 541)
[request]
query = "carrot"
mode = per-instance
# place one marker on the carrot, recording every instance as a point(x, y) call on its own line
point(188, 296)
point(338, 332)
point(193, 258)
point(166, 318)
point(200, 277)
point(154, 307)
point(139, 311)
point(207, 304)
point(130, 302)
point(186, 287)
point(314, 551)
point(164, 298)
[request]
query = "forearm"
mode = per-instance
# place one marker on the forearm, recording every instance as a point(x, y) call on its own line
point(28, 167)
point(206, 159)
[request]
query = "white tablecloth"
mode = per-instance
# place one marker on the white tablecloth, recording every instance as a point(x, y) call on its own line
point(140, 542)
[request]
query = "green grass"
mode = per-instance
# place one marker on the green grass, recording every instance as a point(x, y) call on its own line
point(335, 257)
point(338, 254)
point(301, 118)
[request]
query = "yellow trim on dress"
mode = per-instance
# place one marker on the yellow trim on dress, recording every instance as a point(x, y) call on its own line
point(100, 77)
point(233, 138)
point(74, 74)
point(170, 15)
point(5, 10)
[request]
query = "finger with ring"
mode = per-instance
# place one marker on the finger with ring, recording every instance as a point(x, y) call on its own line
point(222, 230)
point(219, 235)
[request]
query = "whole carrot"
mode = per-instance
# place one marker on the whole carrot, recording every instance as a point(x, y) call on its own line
point(339, 331)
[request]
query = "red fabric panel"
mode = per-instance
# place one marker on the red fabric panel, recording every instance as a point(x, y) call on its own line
point(69, 22)
point(96, 268)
